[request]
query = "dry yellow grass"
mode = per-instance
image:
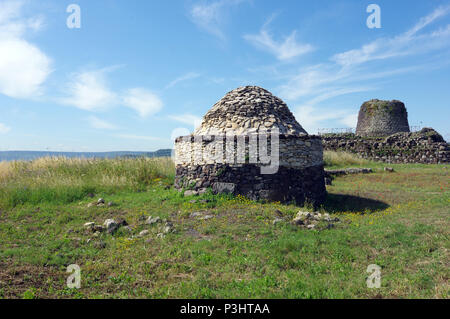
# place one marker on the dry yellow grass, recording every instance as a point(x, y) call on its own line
point(73, 177)
point(332, 158)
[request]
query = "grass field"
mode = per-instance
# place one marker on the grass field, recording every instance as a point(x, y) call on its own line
point(399, 221)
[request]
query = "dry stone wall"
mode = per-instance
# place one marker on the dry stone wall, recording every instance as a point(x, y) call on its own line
point(287, 185)
point(382, 118)
point(426, 146)
point(294, 151)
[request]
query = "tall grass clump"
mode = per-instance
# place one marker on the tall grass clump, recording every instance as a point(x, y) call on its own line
point(61, 179)
point(339, 159)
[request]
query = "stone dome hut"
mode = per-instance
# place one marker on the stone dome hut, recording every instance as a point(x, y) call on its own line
point(382, 118)
point(249, 143)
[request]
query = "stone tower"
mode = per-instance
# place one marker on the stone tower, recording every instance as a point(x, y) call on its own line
point(382, 118)
point(249, 143)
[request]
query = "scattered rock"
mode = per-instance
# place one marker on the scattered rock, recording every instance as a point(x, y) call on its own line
point(302, 216)
point(190, 193)
point(202, 191)
point(278, 213)
point(90, 205)
point(143, 233)
point(110, 225)
point(121, 222)
point(160, 235)
point(98, 228)
point(195, 214)
point(310, 219)
point(89, 225)
point(100, 201)
point(168, 228)
point(206, 217)
point(389, 169)
point(111, 204)
point(298, 222)
point(153, 220)
point(142, 218)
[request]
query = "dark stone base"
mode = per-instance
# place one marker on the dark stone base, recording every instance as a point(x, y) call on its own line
point(287, 185)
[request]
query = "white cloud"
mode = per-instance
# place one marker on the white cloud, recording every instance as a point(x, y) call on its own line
point(311, 80)
point(4, 129)
point(350, 120)
point(97, 123)
point(407, 43)
point(188, 119)
point(284, 50)
point(142, 101)
point(23, 66)
point(312, 118)
point(350, 72)
point(89, 91)
point(210, 16)
point(186, 77)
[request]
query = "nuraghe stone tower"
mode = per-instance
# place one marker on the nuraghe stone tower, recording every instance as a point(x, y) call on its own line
point(382, 118)
point(237, 149)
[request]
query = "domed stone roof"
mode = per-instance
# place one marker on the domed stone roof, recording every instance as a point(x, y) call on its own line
point(249, 109)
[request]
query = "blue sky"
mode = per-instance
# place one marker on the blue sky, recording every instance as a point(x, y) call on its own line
point(137, 73)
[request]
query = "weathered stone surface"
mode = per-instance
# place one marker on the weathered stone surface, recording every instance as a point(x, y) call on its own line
point(310, 220)
point(153, 220)
point(143, 233)
point(382, 118)
point(110, 225)
point(190, 193)
point(288, 184)
point(219, 188)
point(249, 109)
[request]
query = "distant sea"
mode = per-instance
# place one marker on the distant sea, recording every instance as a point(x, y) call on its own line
point(31, 155)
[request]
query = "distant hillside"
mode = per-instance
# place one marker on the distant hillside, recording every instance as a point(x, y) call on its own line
point(30, 155)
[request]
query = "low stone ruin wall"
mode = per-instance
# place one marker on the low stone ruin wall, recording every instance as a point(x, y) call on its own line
point(286, 185)
point(426, 146)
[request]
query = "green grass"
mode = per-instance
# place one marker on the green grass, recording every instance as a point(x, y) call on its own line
point(399, 221)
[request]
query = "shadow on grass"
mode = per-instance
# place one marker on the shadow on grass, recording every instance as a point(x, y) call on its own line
point(336, 203)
